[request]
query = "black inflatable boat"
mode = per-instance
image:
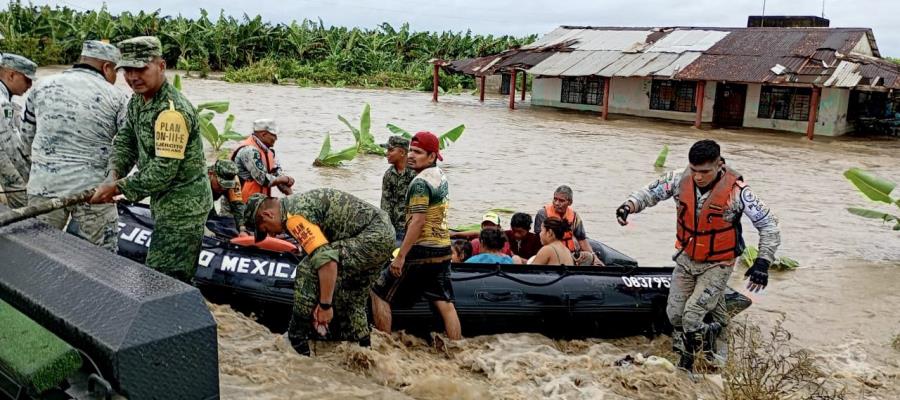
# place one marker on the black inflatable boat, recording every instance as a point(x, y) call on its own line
point(617, 300)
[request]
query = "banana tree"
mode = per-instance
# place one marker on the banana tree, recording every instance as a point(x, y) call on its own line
point(206, 112)
point(661, 158)
point(365, 141)
point(876, 189)
point(445, 139)
point(327, 158)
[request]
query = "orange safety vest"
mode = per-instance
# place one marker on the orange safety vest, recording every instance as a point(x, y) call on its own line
point(707, 236)
point(570, 218)
point(250, 186)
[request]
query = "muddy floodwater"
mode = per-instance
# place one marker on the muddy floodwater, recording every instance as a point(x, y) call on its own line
point(842, 304)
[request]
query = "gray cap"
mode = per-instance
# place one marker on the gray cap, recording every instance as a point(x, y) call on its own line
point(101, 51)
point(265, 124)
point(138, 51)
point(18, 63)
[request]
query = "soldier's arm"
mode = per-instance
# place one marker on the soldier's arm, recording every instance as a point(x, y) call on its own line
point(121, 119)
point(385, 200)
point(659, 190)
point(29, 126)
point(253, 161)
point(762, 218)
point(156, 175)
point(124, 149)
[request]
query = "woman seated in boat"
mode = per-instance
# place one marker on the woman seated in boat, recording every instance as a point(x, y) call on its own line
point(553, 252)
point(492, 243)
point(461, 250)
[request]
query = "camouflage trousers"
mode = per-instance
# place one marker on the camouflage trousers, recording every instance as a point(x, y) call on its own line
point(96, 223)
point(698, 290)
point(361, 260)
point(175, 246)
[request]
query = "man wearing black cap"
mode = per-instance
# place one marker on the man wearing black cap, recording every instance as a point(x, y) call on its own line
point(346, 240)
point(422, 265)
point(395, 184)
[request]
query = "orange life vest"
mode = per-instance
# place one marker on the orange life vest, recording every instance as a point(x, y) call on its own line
point(570, 218)
point(250, 186)
point(707, 236)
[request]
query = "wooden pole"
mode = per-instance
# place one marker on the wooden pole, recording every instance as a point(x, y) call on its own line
point(524, 83)
point(813, 111)
point(512, 90)
point(481, 97)
point(605, 113)
point(701, 93)
point(436, 83)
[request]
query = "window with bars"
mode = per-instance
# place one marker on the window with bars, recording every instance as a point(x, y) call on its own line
point(582, 90)
point(671, 95)
point(777, 102)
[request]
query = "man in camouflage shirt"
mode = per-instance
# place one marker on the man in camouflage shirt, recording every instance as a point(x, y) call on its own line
point(395, 184)
point(225, 185)
point(70, 122)
point(710, 199)
point(16, 76)
point(347, 242)
point(162, 135)
point(258, 168)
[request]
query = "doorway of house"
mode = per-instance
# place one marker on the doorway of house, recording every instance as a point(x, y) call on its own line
point(728, 111)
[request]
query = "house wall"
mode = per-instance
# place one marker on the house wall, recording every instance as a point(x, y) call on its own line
point(629, 96)
point(863, 47)
point(831, 119)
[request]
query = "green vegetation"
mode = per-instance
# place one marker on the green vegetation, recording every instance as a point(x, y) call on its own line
point(661, 158)
point(365, 141)
point(327, 158)
point(780, 264)
point(445, 138)
point(206, 112)
point(32, 355)
point(876, 189)
point(251, 50)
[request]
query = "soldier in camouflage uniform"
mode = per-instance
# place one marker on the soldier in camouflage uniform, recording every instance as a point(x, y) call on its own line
point(347, 242)
point(710, 200)
point(395, 184)
point(225, 185)
point(16, 76)
point(161, 134)
point(70, 122)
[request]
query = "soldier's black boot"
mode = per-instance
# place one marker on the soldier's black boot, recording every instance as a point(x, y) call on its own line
point(692, 342)
point(365, 342)
point(299, 337)
point(301, 346)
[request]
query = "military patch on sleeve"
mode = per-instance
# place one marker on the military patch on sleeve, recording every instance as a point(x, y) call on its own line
point(171, 134)
point(308, 234)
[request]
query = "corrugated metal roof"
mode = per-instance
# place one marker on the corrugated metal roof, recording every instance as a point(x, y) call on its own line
point(675, 66)
point(558, 63)
point(596, 40)
point(680, 41)
point(846, 75)
point(593, 63)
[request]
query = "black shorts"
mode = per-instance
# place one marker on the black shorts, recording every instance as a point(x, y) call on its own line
point(426, 274)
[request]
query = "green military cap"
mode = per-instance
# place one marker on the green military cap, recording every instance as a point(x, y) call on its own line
point(396, 141)
point(138, 51)
point(253, 203)
point(101, 51)
point(226, 171)
point(19, 64)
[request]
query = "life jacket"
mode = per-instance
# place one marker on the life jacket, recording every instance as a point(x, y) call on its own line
point(250, 186)
point(707, 236)
point(567, 239)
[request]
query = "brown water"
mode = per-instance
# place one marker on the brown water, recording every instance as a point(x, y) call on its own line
point(841, 304)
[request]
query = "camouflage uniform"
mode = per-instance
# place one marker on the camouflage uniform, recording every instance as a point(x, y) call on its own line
point(70, 122)
point(360, 239)
point(698, 287)
point(231, 203)
point(13, 156)
point(394, 187)
point(180, 195)
point(249, 160)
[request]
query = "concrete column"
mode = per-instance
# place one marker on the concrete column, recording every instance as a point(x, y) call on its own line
point(512, 90)
point(524, 83)
point(813, 111)
point(700, 94)
point(606, 84)
point(481, 96)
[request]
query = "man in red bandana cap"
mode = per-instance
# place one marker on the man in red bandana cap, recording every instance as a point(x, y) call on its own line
point(421, 267)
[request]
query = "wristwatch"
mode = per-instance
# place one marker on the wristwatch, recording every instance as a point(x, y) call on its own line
point(325, 306)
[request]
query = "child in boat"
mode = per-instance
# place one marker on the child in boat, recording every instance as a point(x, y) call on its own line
point(461, 250)
point(492, 241)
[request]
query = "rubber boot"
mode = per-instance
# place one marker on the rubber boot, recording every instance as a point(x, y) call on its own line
point(692, 342)
point(300, 345)
point(365, 342)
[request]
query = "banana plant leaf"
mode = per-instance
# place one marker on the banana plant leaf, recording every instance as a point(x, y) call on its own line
point(177, 82)
point(874, 214)
point(661, 158)
point(217, 106)
point(399, 131)
point(328, 159)
point(873, 187)
point(451, 136)
point(502, 210)
point(466, 228)
point(352, 128)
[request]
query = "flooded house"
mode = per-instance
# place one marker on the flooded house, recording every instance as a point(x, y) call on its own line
point(796, 76)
